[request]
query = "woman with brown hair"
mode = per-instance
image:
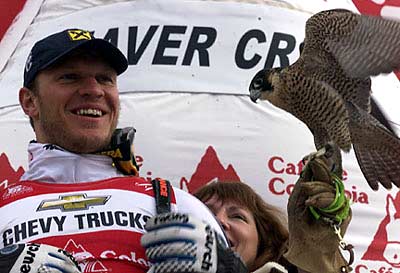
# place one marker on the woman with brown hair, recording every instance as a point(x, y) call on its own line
point(255, 229)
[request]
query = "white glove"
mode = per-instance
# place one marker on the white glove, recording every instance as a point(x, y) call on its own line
point(36, 258)
point(177, 242)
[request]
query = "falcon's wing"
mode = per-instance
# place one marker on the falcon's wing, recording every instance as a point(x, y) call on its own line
point(363, 45)
point(378, 113)
point(376, 148)
point(344, 49)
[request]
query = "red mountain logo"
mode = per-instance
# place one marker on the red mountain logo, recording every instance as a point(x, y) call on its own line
point(209, 169)
point(85, 259)
point(386, 243)
point(386, 8)
point(8, 175)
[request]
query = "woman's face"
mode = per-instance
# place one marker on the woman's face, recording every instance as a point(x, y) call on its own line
point(240, 227)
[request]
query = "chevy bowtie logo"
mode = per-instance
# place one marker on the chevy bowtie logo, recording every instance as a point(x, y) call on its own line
point(73, 202)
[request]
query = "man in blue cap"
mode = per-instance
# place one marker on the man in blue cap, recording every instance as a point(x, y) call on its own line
point(77, 107)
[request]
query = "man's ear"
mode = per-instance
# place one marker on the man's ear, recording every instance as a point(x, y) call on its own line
point(29, 103)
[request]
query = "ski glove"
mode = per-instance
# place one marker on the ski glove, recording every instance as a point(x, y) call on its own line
point(177, 242)
point(36, 258)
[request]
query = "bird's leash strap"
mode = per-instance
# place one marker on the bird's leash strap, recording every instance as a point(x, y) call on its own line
point(339, 208)
point(335, 214)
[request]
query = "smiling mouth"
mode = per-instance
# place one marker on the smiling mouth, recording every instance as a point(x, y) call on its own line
point(89, 112)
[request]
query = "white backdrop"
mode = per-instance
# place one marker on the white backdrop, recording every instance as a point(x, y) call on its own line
point(195, 122)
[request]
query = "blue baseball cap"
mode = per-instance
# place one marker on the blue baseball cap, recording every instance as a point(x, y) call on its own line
point(51, 49)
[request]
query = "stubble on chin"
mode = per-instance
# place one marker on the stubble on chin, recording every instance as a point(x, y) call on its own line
point(86, 145)
point(74, 142)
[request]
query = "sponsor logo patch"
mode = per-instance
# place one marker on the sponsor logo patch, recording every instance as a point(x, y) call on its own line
point(73, 202)
point(13, 191)
point(79, 34)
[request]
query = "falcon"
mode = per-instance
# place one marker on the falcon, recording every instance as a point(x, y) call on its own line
point(329, 89)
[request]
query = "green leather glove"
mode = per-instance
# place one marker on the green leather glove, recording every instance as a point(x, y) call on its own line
point(313, 243)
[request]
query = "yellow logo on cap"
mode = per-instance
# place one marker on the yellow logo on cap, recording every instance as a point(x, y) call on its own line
point(79, 34)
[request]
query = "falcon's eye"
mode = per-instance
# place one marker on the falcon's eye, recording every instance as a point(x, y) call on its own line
point(258, 83)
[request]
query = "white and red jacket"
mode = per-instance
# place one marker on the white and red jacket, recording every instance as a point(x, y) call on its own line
point(80, 203)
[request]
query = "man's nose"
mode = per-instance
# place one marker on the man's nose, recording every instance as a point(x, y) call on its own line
point(91, 87)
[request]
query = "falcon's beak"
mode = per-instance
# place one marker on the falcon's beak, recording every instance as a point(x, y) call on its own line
point(254, 95)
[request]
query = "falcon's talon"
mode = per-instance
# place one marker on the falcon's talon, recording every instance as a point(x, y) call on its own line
point(319, 153)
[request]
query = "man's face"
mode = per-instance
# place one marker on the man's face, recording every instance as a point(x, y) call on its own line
point(77, 104)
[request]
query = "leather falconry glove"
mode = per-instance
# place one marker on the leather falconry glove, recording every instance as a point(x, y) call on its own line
point(318, 216)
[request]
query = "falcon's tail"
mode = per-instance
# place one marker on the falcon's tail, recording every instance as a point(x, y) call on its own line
point(376, 148)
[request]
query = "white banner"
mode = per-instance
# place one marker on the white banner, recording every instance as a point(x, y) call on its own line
point(168, 52)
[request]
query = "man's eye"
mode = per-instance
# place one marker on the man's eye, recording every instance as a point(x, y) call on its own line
point(105, 79)
point(68, 77)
